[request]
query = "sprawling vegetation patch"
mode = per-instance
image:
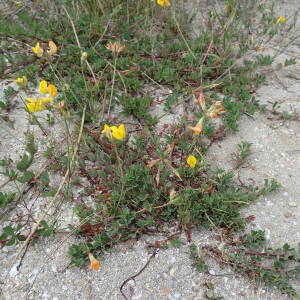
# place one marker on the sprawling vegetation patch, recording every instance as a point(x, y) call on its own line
point(92, 59)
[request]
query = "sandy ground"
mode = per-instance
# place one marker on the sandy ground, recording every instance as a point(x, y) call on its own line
point(44, 273)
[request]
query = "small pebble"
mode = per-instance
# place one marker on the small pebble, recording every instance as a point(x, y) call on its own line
point(172, 272)
point(267, 234)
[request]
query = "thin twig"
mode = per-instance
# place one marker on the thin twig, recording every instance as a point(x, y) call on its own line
point(22, 257)
point(137, 274)
point(78, 43)
point(53, 201)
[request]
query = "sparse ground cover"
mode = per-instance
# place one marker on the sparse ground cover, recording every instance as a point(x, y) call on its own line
point(121, 103)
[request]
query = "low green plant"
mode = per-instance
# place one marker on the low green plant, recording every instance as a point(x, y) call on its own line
point(242, 154)
point(109, 53)
point(250, 255)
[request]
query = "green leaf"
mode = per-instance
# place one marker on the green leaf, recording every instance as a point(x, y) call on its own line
point(27, 177)
point(12, 241)
point(176, 243)
point(45, 180)
point(5, 198)
point(8, 230)
point(24, 163)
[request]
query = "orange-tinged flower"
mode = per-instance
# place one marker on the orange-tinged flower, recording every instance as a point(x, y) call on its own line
point(95, 264)
point(199, 126)
point(152, 163)
point(197, 129)
point(218, 103)
point(164, 3)
point(60, 105)
point(192, 161)
point(213, 115)
point(38, 50)
point(115, 47)
point(53, 48)
point(216, 109)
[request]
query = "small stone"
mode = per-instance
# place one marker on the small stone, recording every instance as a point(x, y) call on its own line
point(131, 282)
point(13, 271)
point(172, 272)
point(287, 214)
point(267, 234)
point(212, 272)
point(166, 291)
point(195, 288)
point(173, 259)
point(293, 204)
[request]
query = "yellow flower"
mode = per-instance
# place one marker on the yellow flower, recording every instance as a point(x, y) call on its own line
point(46, 99)
point(106, 130)
point(115, 47)
point(192, 161)
point(19, 4)
point(118, 133)
point(22, 82)
point(38, 50)
point(84, 56)
point(43, 87)
point(48, 89)
point(163, 2)
point(36, 105)
point(52, 90)
point(53, 48)
point(95, 264)
point(281, 19)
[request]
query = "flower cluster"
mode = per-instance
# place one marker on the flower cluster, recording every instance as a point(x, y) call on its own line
point(115, 47)
point(215, 109)
point(39, 51)
point(213, 112)
point(114, 132)
point(35, 105)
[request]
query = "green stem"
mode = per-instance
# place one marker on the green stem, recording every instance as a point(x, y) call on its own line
point(113, 84)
